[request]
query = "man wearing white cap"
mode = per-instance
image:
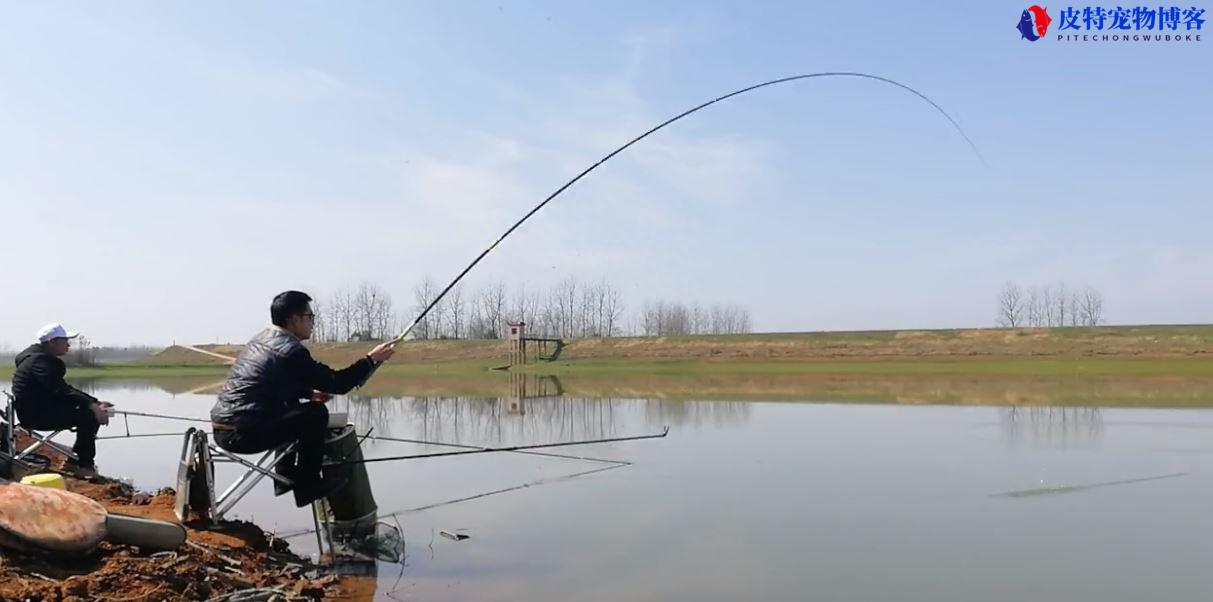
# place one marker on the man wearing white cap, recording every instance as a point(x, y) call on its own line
point(44, 401)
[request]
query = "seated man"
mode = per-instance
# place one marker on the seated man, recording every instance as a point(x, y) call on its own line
point(259, 407)
point(45, 402)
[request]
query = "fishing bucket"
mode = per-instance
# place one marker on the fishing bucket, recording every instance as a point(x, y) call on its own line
point(352, 512)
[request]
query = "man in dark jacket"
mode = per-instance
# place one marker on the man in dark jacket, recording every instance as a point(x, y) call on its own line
point(44, 401)
point(259, 407)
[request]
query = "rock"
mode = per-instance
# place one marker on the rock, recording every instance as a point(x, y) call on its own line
point(199, 590)
point(307, 589)
point(74, 586)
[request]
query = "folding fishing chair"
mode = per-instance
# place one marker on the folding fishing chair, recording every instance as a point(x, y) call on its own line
point(196, 476)
point(8, 423)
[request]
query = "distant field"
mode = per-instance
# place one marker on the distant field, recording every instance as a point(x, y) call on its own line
point(1185, 350)
point(1131, 366)
point(1113, 341)
point(1118, 341)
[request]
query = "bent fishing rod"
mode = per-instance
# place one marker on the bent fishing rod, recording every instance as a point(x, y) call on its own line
point(368, 435)
point(488, 450)
point(608, 157)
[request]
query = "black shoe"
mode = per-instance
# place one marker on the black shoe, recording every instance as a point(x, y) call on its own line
point(308, 492)
point(88, 472)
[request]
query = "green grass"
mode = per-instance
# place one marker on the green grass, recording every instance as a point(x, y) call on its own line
point(1179, 382)
point(1017, 366)
point(134, 371)
point(1186, 366)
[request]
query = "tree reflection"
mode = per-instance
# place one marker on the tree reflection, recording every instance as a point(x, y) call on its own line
point(1052, 427)
point(537, 412)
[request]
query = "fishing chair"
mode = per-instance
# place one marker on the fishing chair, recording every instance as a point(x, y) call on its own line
point(10, 428)
point(196, 476)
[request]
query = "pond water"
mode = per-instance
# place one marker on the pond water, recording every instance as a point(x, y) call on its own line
point(759, 501)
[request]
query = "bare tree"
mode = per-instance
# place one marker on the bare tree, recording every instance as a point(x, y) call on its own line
point(1045, 306)
point(1035, 312)
point(678, 319)
point(652, 313)
point(612, 310)
point(1061, 300)
point(83, 353)
point(321, 326)
point(338, 317)
point(1091, 307)
point(456, 313)
point(372, 310)
point(587, 324)
point(549, 318)
point(523, 307)
point(568, 309)
point(1048, 308)
point(423, 295)
point(564, 299)
point(1010, 306)
point(744, 325)
point(491, 306)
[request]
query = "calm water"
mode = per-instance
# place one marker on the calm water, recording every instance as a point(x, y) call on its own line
point(764, 501)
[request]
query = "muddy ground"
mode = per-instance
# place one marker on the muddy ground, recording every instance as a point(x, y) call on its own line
point(214, 563)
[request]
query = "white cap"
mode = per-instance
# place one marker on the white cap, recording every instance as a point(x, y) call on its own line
point(54, 331)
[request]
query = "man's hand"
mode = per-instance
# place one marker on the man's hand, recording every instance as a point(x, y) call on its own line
point(320, 397)
point(382, 352)
point(99, 413)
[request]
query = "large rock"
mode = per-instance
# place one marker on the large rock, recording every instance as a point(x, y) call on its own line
point(37, 519)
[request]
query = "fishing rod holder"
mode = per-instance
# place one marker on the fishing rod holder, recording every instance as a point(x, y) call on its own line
point(196, 476)
point(348, 528)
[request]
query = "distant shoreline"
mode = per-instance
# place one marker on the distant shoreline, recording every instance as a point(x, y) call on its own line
point(1139, 366)
point(1182, 350)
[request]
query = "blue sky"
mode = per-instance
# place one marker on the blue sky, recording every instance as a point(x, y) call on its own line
point(166, 168)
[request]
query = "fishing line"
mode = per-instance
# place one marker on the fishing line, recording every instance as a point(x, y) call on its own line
point(486, 450)
point(478, 447)
point(477, 496)
point(164, 416)
point(659, 126)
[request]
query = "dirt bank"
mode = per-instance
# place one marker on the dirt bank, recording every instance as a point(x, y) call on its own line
point(215, 562)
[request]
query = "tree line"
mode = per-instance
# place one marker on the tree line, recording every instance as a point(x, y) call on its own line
point(84, 353)
point(1049, 306)
point(569, 309)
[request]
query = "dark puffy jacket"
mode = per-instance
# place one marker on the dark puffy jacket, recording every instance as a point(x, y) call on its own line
point(275, 371)
point(38, 385)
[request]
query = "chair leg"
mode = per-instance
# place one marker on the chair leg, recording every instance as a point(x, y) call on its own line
point(10, 426)
point(39, 441)
point(264, 467)
point(185, 470)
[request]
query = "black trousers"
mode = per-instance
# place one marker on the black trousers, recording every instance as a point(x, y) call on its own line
point(53, 418)
point(306, 424)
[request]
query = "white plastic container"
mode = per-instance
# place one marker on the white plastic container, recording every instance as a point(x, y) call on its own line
point(338, 419)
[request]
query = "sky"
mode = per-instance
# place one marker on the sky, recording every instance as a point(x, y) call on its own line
point(166, 168)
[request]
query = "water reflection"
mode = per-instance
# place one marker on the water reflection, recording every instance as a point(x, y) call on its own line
point(793, 500)
point(915, 389)
point(1052, 427)
point(499, 421)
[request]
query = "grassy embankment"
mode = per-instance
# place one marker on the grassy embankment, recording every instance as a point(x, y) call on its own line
point(1122, 365)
